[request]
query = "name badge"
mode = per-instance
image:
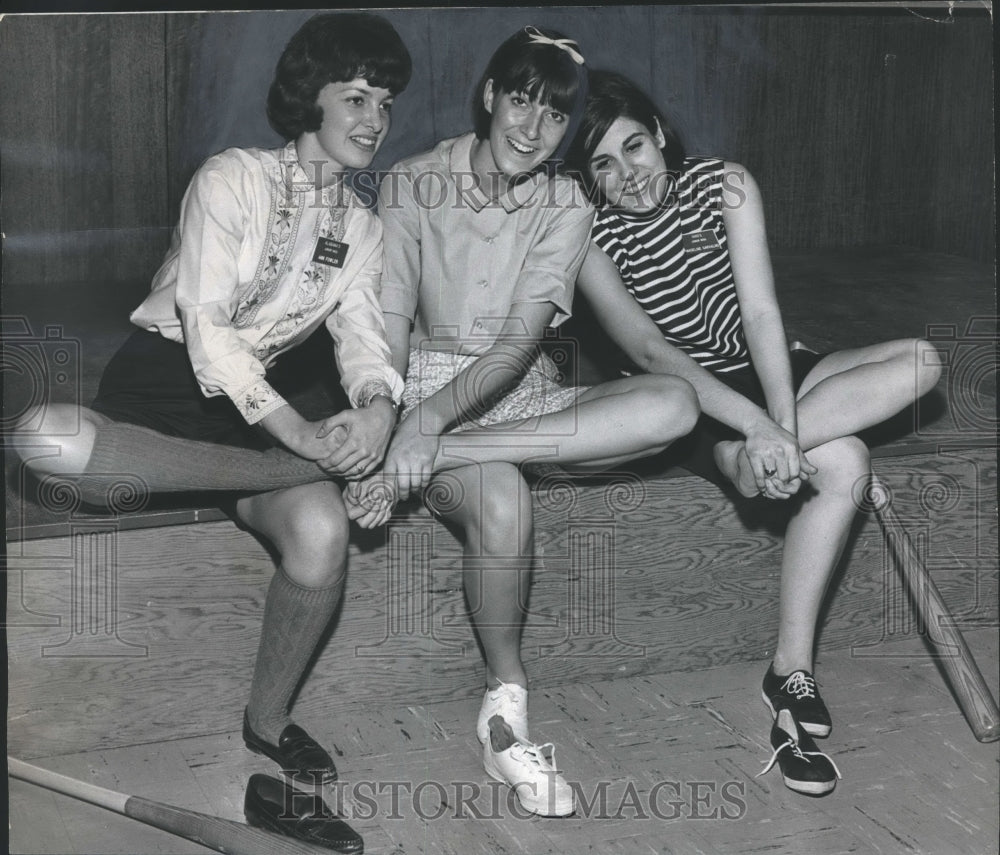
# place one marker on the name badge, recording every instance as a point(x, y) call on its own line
point(701, 241)
point(330, 252)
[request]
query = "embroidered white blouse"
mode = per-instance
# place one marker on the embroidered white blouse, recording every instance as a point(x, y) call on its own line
point(252, 271)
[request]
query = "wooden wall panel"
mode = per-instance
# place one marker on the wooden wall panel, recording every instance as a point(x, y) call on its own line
point(864, 127)
point(84, 162)
point(219, 68)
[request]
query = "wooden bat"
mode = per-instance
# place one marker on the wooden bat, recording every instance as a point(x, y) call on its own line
point(945, 639)
point(223, 835)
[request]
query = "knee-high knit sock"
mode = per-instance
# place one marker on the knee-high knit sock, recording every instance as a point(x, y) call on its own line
point(294, 619)
point(170, 464)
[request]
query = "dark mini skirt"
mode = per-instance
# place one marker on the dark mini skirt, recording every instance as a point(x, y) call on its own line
point(150, 382)
point(694, 452)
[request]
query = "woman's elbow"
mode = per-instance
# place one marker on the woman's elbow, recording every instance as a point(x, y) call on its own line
point(648, 358)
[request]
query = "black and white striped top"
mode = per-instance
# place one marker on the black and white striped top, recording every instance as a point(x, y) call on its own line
point(675, 262)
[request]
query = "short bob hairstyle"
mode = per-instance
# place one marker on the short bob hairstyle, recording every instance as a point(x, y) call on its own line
point(543, 72)
point(611, 97)
point(331, 48)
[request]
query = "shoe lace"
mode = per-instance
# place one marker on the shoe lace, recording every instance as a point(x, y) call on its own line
point(798, 752)
point(509, 693)
point(534, 755)
point(801, 685)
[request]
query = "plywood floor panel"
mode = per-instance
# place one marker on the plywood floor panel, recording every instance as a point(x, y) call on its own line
point(915, 780)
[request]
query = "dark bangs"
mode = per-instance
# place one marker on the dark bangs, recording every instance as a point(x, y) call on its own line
point(611, 97)
point(333, 48)
point(544, 78)
point(380, 64)
point(543, 72)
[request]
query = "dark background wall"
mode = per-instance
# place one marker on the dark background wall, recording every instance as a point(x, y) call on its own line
point(862, 126)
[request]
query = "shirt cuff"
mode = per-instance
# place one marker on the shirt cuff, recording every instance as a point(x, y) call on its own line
point(370, 389)
point(257, 401)
point(398, 299)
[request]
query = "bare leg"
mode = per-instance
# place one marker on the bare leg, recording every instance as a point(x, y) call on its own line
point(847, 392)
point(66, 427)
point(495, 516)
point(608, 424)
point(857, 389)
point(814, 541)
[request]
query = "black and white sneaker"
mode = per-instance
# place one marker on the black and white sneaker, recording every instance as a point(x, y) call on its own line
point(805, 768)
point(799, 693)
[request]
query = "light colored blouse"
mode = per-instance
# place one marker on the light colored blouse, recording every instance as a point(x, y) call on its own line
point(456, 261)
point(256, 265)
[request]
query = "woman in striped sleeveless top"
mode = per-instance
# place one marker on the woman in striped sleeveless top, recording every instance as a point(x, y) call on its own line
point(679, 275)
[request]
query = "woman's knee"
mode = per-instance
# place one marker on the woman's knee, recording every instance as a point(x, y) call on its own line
point(69, 428)
point(926, 364)
point(323, 529)
point(308, 525)
point(841, 462)
point(491, 502)
point(667, 408)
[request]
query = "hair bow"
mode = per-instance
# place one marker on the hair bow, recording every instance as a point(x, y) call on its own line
point(568, 45)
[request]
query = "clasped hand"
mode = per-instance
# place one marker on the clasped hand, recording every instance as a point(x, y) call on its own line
point(411, 456)
point(409, 467)
point(352, 443)
point(778, 464)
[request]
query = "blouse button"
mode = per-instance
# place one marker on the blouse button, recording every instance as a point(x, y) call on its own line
point(483, 283)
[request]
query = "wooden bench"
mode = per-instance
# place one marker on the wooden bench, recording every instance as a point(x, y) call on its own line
point(118, 630)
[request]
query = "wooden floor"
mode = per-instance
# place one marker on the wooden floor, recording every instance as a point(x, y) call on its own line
point(674, 755)
point(683, 720)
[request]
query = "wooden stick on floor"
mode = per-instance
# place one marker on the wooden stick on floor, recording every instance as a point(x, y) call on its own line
point(945, 639)
point(223, 835)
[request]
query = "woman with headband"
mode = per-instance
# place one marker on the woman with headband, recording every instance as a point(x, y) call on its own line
point(483, 242)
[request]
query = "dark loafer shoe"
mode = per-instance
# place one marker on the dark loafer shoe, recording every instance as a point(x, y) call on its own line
point(297, 753)
point(277, 806)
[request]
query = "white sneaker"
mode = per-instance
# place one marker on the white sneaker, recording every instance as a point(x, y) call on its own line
point(510, 702)
point(536, 782)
